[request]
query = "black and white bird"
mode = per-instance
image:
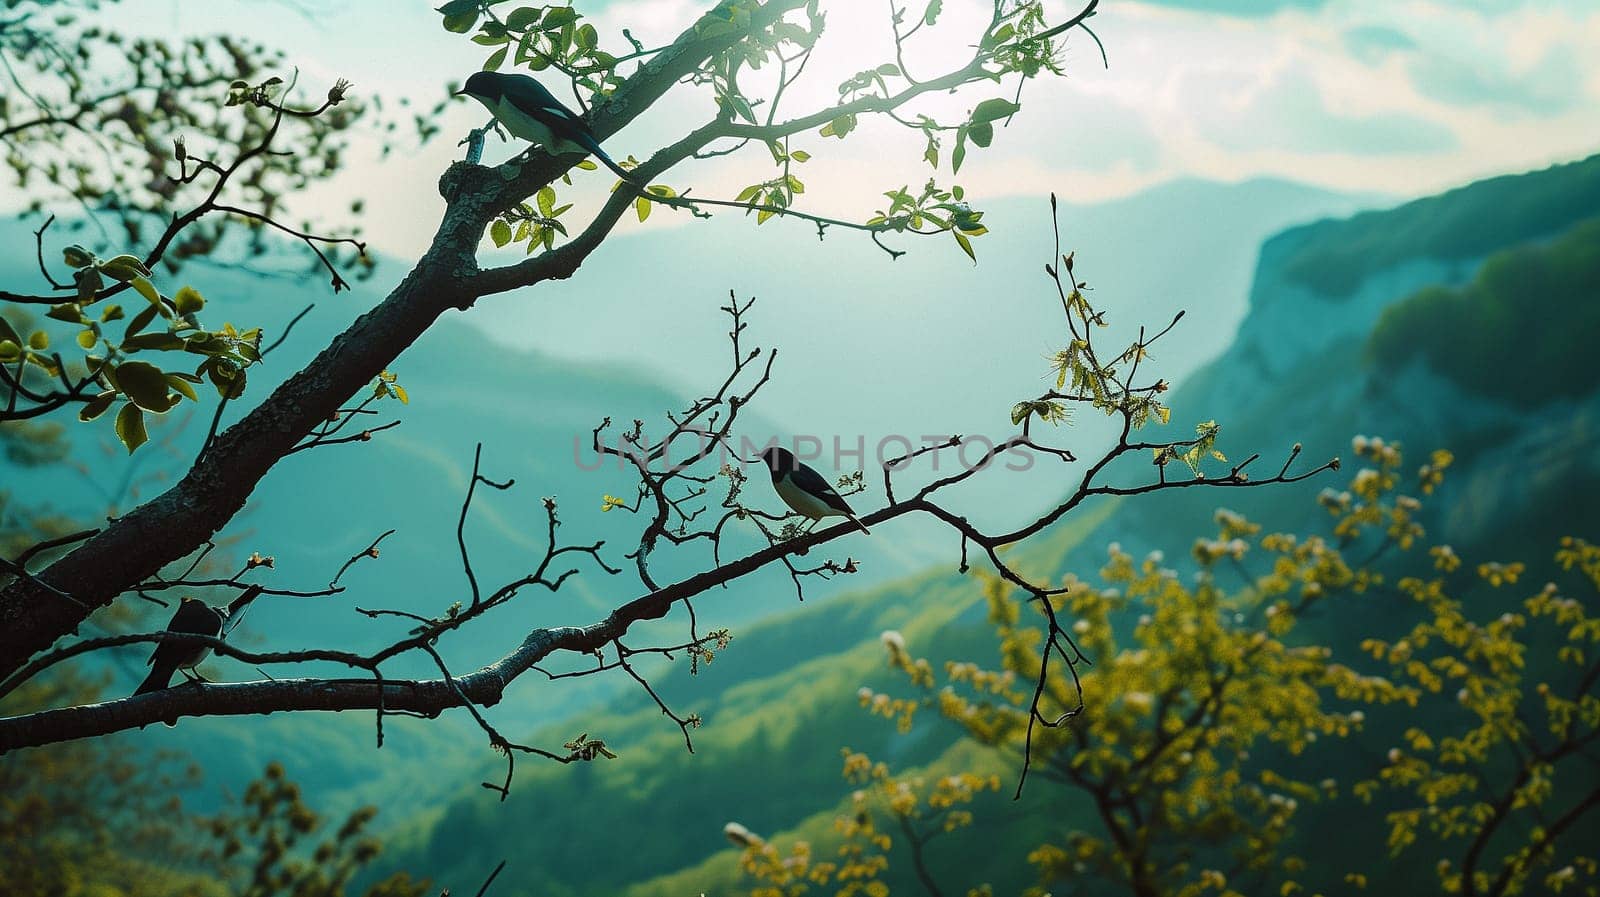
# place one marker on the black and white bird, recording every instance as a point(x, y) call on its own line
point(532, 113)
point(804, 490)
point(193, 617)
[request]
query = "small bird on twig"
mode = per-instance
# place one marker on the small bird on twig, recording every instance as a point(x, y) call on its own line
point(530, 112)
point(805, 490)
point(193, 617)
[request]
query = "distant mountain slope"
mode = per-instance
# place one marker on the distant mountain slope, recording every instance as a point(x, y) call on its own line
point(1306, 367)
point(1336, 257)
point(1523, 331)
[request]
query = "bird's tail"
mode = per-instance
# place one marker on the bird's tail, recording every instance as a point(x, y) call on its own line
point(159, 678)
point(593, 146)
point(857, 521)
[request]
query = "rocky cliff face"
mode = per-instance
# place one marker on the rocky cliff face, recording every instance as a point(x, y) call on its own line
point(1303, 367)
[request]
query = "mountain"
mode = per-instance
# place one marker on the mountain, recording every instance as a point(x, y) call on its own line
point(1502, 378)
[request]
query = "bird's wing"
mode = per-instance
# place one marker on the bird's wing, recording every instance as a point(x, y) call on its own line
point(173, 625)
point(537, 102)
point(534, 100)
point(817, 485)
point(191, 618)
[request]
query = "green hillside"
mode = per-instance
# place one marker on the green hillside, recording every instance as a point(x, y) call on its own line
point(1522, 331)
point(1335, 257)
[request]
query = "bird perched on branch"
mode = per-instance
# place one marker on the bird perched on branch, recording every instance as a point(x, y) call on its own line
point(805, 490)
point(193, 617)
point(532, 113)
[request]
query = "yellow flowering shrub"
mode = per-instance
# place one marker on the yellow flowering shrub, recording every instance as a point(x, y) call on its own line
point(1212, 719)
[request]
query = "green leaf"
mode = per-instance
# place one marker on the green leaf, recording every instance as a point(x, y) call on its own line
point(966, 245)
point(97, 406)
point(124, 268)
point(993, 110)
point(460, 15)
point(229, 380)
point(522, 18)
point(840, 126)
point(495, 60)
point(982, 134)
point(800, 156)
point(140, 321)
point(111, 313)
point(642, 205)
point(559, 16)
point(144, 384)
point(188, 300)
point(932, 14)
point(87, 338)
point(400, 393)
point(89, 282)
point(500, 232)
point(39, 341)
point(150, 293)
point(161, 342)
point(76, 256)
point(66, 311)
point(130, 427)
point(181, 385)
point(546, 199)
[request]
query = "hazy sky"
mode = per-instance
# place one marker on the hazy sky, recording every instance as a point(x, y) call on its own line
point(1402, 97)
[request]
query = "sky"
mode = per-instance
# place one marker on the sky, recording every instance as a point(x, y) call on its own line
point(1399, 97)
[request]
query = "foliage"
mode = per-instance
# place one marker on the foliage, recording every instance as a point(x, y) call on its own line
point(1335, 257)
point(883, 807)
point(89, 817)
point(263, 848)
point(96, 114)
point(1496, 782)
point(1220, 716)
point(554, 38)
point(95, 818)
point(1543, 294)
point(105, 130)
point(113, 367)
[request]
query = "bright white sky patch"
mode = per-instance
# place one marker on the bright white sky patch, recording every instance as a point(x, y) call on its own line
point(1403, 97)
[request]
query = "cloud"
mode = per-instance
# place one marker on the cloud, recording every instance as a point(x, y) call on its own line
point(1242, 8)
point(1552, 86)
point(1292, 114)
point(1375, 43)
